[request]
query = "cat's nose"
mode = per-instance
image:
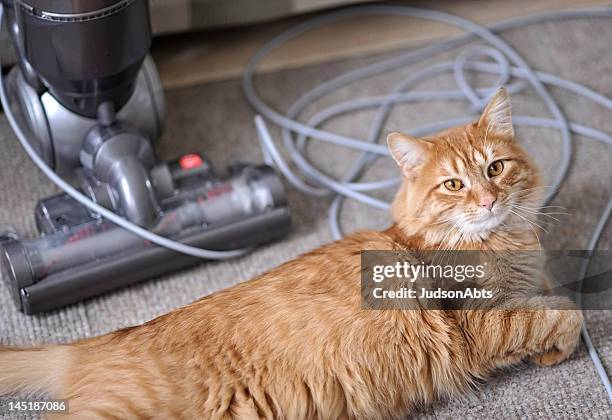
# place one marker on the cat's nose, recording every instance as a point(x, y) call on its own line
point(487, 201)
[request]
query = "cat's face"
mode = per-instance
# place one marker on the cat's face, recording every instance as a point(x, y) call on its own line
point(471, 178)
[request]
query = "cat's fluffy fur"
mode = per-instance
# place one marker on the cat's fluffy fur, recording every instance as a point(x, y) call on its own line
point(295, 342)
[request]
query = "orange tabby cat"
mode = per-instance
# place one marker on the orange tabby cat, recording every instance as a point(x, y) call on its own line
point(295, 343)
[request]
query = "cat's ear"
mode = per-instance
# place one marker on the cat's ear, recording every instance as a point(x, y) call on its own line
point(409, 152)
point(497, 115)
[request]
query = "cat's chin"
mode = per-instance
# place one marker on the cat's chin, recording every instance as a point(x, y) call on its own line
point(482, 228)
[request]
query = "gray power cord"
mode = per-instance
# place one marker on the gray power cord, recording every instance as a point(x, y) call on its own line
point(506, 63)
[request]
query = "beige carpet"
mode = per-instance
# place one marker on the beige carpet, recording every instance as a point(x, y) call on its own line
point(215, 119)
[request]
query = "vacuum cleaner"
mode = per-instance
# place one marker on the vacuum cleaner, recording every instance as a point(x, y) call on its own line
point(89, 100)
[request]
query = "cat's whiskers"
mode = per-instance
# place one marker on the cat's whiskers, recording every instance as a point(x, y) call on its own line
point(539, 208)
point(530, 190)
point(455, 243)
point(531, 215)
point(538, 213)
point(526, 195)
point(544, 207)
point(446, 234)
point(529, 223)
point(545, 213)
point(526, 218)
point(536, 210)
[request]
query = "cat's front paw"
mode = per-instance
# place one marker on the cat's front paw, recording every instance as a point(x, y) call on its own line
point(563, 339)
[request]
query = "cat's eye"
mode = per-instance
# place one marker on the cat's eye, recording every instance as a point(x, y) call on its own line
point(453, 184)
point(495, 168)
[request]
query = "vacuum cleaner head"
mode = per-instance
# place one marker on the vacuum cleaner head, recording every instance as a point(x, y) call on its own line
point(80, 255)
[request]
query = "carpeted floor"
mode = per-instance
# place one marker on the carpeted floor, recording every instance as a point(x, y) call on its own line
point(215, 119)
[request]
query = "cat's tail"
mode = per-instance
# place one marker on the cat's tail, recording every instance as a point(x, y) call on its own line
point(35, 370)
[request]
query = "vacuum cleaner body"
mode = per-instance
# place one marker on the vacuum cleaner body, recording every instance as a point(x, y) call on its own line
point(91, 103)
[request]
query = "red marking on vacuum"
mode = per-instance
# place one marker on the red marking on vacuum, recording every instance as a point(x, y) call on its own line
point(81, 234)
point(190, 161)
